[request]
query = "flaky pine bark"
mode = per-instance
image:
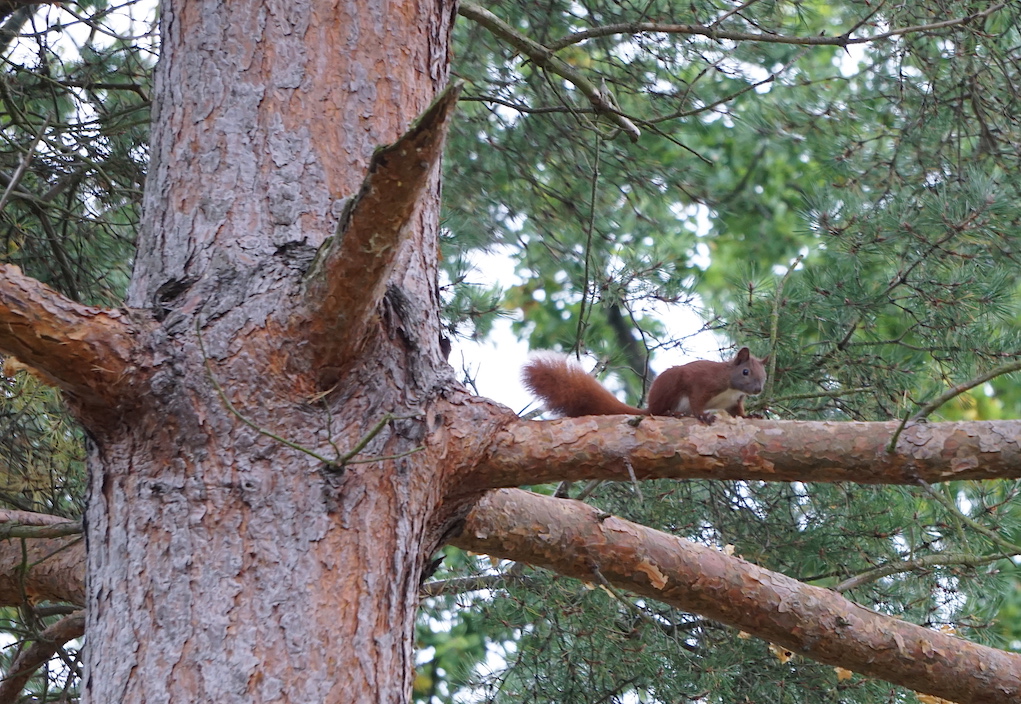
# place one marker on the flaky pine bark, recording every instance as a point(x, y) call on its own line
point(621, 447)
point(238, 552)
point(42, 569)
point(88, 352)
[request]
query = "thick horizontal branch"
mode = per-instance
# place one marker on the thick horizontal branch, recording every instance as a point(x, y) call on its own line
point(33, 657)
point(544, 57)
point(612, 447)
point(349, 279)
point(715, 33)
point(89, 352)
point(578, 540)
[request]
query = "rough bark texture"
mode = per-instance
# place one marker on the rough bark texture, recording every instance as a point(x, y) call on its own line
point(575, 539)
point(29, 518)
point(578, 540)
point(600, 447)
point(224, 564)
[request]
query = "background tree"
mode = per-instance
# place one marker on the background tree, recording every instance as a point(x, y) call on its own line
point(833, 183)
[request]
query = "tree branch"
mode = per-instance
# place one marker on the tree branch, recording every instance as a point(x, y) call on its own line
point(921, 563)
point(959, 389)
point(56, 530)
point(578, 540)
point(88, 352)
point(48, 569)
point(30, 518)
point(600, 447)
point(348, 281)
point(712, 32)
point(541, 56)
point(32, 658)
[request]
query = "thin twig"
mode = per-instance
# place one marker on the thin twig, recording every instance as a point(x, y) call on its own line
point(719, 20)
point(961, 388)
point(542, 56)
point(45, 645)
point(16, 178)
point(460, 585)
point(950, 506)
point(918, 563)
point(399, 455)
point(634, 479)
point(339, 462)
point(590, 226)
point(950, 393)
point(712, 32)
point(57, 530)
point(588, 489)
point(832, 393)
point(774, 325)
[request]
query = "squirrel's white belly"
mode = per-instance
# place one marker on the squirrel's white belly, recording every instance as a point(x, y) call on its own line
point(719, 402)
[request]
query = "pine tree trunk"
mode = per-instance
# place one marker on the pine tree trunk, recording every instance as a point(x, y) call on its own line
point(224, 564)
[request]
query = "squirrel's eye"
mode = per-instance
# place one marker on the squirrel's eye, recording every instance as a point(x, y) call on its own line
point(745, 371)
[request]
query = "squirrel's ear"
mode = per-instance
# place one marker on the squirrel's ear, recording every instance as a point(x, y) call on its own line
point(742, 355)
point(764, 360)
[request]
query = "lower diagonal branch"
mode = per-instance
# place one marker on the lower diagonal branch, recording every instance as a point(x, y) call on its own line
point(577, 540)
point(33, 657)
point(88, 352)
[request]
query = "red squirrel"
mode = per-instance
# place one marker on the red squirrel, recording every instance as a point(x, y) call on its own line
point(691, 389)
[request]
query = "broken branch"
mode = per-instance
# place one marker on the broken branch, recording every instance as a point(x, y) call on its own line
point(349, 279)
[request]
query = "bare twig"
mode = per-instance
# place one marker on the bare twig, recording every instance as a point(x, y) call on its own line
point(950, 506)
point(57, 530)
point(545, 58)
point(774, 324)
point(460, 585)
point(961, 388)
point(241, 417)
point(338, 463)
point(950, 393)
point(26, 160)
point(916, 564)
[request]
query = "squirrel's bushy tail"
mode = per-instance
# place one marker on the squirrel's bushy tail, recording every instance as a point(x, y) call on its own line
point(565, 388)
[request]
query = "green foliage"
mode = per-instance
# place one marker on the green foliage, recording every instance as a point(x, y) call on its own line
point(74, 117)
point(852, 212)
point(41, 450)
point(77, 127)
